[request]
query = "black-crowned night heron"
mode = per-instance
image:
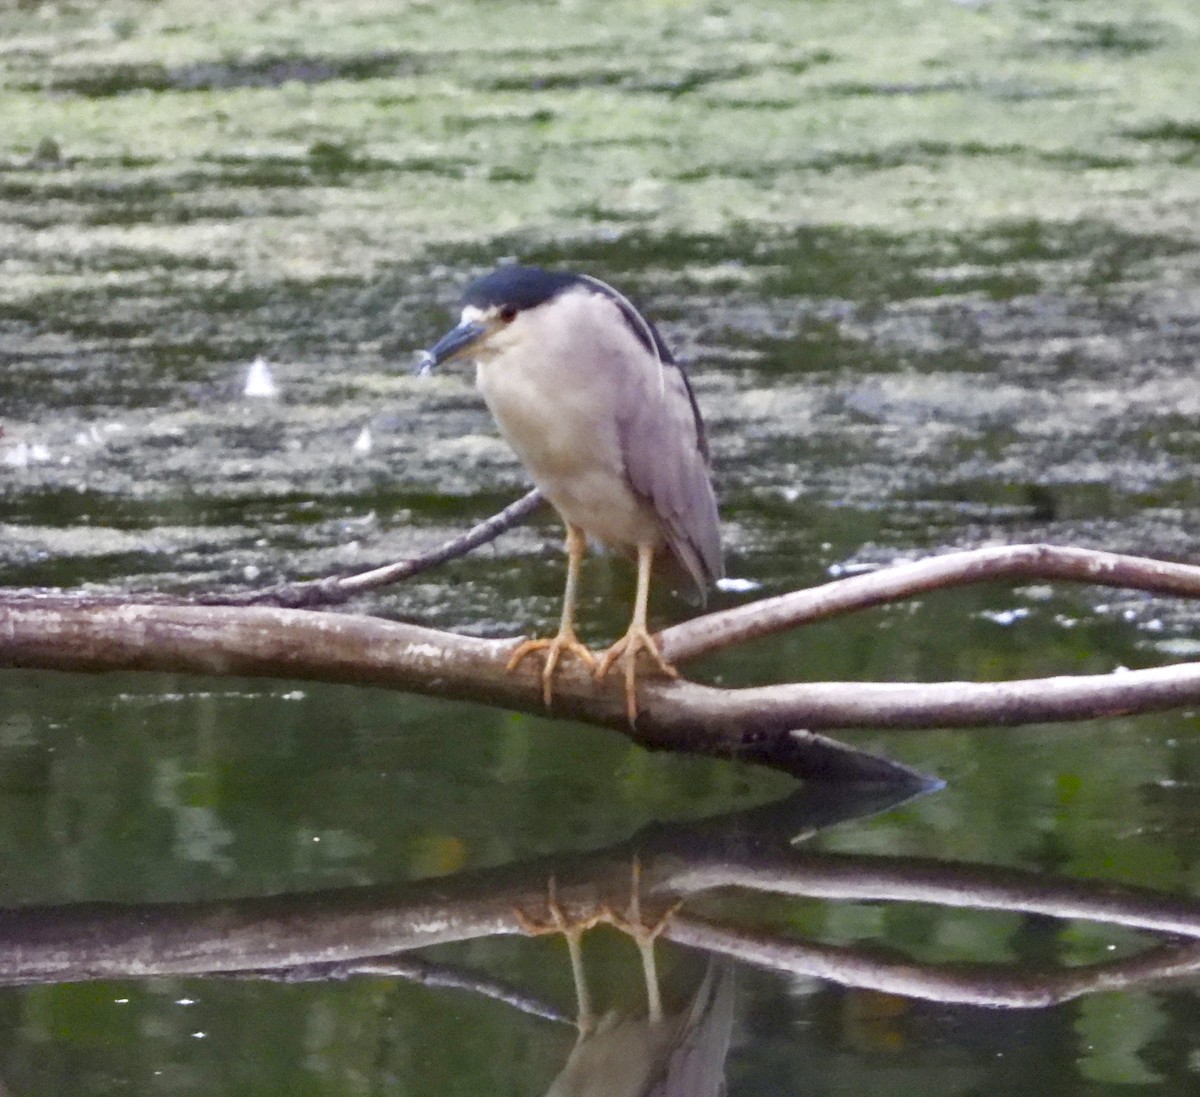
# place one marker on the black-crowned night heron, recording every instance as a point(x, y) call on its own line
point(590, 398)
point(679, 1054)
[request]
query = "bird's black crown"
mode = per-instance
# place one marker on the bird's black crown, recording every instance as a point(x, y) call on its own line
point(519, 288)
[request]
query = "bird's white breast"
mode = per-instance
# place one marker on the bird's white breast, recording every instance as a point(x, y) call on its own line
point(557, 394)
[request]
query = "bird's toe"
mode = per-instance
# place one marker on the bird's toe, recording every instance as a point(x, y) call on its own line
point(625, 651)
point(565, 643)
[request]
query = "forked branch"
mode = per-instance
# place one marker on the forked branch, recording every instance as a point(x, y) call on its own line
point(772, 725)
point(368, 931)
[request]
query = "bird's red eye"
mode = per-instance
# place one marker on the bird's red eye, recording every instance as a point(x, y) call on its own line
point(508, 314)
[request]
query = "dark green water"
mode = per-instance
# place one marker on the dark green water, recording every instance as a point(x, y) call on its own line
point(937, 271)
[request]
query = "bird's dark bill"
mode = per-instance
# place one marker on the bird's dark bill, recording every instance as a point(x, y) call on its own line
point(450, 345)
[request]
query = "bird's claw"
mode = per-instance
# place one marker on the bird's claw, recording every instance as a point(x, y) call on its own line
point(626, 650)
point(557, 919)
point(565, 643)
point(631, 921)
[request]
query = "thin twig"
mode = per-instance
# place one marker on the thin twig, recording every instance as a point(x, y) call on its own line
point(414, 970)
point(334, 590)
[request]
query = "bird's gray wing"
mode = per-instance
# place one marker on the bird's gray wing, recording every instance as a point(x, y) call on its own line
point(666, 460)
point(695, 1066)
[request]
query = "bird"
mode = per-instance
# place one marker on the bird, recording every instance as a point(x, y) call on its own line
point(604, 419)
point(661, 1054)
point(677, 1055)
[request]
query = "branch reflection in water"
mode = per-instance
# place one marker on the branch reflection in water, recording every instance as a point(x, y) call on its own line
point(714, 864)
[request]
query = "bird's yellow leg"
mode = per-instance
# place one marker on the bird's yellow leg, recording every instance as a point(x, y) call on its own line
point(565, 642)
point(573, 929)
point(636, 639)
point(644, 935)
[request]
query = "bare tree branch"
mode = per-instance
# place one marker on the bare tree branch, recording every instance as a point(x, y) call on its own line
point(768, 710)
point(365, 931)
point(969, 984)
point(858, 878)
point(253, 641)
point(756, 724)
point(771, 725)
point(717, 631)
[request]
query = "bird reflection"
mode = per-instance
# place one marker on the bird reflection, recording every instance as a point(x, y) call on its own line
point(675, 1054)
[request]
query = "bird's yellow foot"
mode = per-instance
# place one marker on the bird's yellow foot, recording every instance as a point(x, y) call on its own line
point(644, 934)
point(557, 919)
point(626, 650)
point(572, 927)
point(632, 921)
point(565, 643)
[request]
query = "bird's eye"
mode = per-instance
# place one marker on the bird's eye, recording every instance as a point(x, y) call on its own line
point(508, 314)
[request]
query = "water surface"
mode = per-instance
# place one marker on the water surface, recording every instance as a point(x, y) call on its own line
point(935, 269)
